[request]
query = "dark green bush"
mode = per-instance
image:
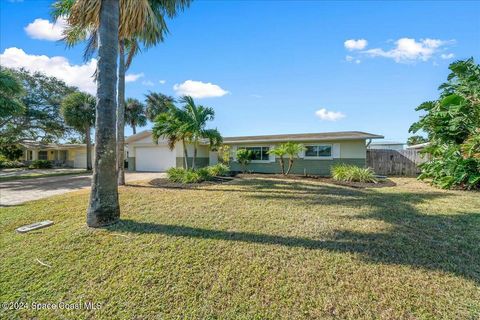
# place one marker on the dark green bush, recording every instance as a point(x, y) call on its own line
point(40, 164)
point(219, 170)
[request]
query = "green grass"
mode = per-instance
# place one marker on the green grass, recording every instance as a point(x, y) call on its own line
point(258, 248)
point(40, 175)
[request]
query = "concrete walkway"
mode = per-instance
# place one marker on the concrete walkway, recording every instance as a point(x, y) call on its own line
point(20, 191)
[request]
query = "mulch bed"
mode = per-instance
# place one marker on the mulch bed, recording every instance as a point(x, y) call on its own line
point(165, 183)
point(358, 185)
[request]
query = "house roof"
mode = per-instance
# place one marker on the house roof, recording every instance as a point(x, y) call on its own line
point(418, 146)
point(41, 145)
point(323, 136)
point(387, 143)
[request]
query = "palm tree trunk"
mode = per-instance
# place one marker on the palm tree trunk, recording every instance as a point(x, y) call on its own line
point(290, 164)
point(282, 165)
point(185, 153)
point(134, 129)
point(121, 117)
point(194, 155)
point(104, 208)
point(88, 142)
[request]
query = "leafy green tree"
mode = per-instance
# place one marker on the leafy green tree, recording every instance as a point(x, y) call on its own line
point(135, 114)
point(280, 152)
point(157, 103)
point(224, 154)
point(78, 110)
point(10, 150)
point(244, 157)
point(452, 123)
point(11, 91)
point(38, 116)
point(413, 140)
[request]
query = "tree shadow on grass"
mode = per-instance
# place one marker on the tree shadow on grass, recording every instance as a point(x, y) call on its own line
point(444, 241)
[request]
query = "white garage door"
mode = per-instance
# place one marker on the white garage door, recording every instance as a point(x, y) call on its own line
point(80, 160)
point(158, 158)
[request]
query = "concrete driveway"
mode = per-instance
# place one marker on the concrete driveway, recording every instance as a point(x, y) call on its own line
point(20, 191)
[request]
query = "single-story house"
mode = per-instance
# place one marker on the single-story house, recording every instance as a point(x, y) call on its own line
point(322, 150)
point(61, 155)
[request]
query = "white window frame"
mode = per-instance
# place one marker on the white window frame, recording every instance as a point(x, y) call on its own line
point(330, 157)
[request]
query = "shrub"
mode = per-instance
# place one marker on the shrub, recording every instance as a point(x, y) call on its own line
point(182, 175)
point(219, 170)
point(244, 157)
point(40, 164)
point(350, 173)
point(11, 164)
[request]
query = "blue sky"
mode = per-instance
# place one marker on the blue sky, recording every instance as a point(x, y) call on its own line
point(271, 67)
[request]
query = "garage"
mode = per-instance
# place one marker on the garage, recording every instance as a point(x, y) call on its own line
point(158, 158)
point(80, 160)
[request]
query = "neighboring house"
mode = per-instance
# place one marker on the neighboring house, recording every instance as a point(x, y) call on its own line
point(386, 145)
point(322, 151)
point(419, 146)
point(61, 155)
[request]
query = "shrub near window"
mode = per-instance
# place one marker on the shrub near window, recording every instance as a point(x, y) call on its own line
point(349, 173)
point(40, 164)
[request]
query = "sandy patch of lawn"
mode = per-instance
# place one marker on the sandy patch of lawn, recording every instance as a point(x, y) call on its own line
point(252, 248)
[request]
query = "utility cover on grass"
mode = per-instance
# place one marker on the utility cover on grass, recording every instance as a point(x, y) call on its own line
point(35, 226)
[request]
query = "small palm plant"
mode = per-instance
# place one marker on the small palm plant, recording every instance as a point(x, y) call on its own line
point(244, 157)
point(280, 152)
point(292, 149)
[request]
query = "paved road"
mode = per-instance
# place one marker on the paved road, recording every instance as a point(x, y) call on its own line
point(20, 191)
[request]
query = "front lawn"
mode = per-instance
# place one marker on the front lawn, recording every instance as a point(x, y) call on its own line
point(258, 248)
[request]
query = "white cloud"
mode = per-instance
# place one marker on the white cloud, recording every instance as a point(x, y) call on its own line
point(447, 56)
point(409, 50)
point(199, 89)
point(324, 114)
point(353, 44)
point(162, 81)
point(352, 59)
point(80, 76)
point(148, 83)
point(45, 30)
point(132, 77)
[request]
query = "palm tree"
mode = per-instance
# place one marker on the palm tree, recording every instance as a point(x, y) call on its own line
point(78, 110)
point(141, 21)
point(135, 114)
point(169, 125)
point(195, 119)
point(104, 208)
point(280, 152)
point(292, 149)
point(157, 103)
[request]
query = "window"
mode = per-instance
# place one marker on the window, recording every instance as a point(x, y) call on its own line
point(318, 151)
point(259, 153)
point(42, 155)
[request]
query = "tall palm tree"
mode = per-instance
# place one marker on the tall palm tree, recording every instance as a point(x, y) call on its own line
point(157, 103)
point(195, 119)
point(140, 21)
point(135, 114)
point(104, 208)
